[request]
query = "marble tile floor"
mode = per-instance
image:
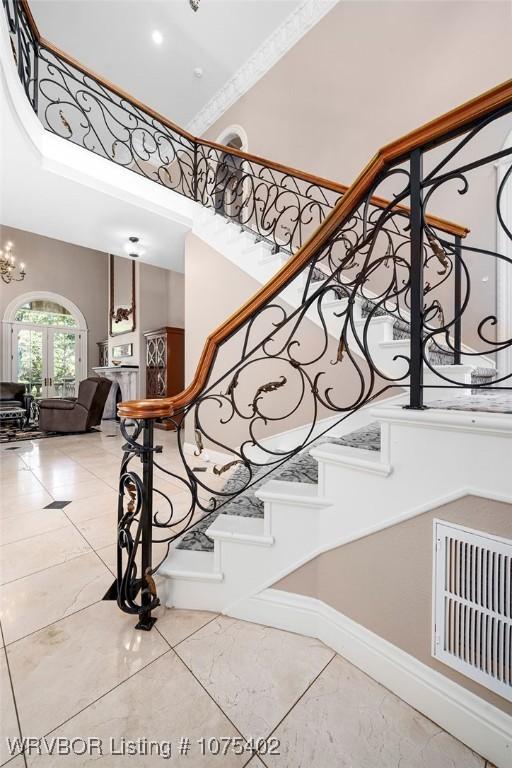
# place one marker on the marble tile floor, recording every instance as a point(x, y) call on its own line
point(72, 665)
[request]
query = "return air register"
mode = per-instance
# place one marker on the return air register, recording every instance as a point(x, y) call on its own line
point(473, 605)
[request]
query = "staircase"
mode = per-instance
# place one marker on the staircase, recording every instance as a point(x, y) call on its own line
point(386, 286)
point(294, 514)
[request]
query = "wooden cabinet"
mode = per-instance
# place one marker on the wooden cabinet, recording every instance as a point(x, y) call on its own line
point(165, 364)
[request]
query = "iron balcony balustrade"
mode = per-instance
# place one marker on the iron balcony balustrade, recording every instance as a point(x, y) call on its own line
point(278, 204)
point(264, 371)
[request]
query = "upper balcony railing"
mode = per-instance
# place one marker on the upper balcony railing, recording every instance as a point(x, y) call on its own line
point(276, 203)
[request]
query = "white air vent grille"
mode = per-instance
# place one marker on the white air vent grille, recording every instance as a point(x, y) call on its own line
point(473, 605)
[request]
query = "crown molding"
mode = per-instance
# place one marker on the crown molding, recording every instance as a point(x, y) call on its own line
point(276, 45)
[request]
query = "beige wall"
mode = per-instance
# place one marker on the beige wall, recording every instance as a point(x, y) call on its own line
point(79, 274)
point(384, 581)
point(370, 72)
point(159, 302)
point(82, 276)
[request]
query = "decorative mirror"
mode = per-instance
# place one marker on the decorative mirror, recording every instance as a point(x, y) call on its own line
point(122, 295)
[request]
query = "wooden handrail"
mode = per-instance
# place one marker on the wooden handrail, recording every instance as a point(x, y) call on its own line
point(436, 222)
point(447, 126)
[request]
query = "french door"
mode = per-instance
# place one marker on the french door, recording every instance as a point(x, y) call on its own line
point(46, 359)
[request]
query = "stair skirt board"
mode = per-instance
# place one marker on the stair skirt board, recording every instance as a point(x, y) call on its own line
point(482, 727)
point(389, 522)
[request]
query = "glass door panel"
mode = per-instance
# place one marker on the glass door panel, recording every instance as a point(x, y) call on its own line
point(62, 358)
point(30, 360)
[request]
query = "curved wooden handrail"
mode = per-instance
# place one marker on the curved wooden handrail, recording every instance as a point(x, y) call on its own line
point(436, 222)
point(447, 126)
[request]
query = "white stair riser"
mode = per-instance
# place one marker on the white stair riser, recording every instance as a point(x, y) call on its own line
point(470, 457)
point(245, 565)
point(427, 464)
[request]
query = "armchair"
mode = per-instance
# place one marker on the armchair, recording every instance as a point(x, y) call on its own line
point(13, 395)
point(76, 414)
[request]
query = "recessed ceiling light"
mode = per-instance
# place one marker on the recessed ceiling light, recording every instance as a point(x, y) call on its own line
point(157, 37)
point(198, 72)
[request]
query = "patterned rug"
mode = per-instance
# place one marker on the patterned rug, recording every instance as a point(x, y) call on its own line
point(301, 469)
point(11, 434)
point(487, 402)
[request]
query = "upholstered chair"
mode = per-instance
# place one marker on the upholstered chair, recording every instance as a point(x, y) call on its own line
point(76, 414)
point(13, 395)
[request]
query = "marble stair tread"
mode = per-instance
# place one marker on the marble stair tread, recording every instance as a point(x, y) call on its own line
point(198, 565)
point(302, 468)
point(231, 528)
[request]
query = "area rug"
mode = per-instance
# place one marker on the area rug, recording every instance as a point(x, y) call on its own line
point(11, 434)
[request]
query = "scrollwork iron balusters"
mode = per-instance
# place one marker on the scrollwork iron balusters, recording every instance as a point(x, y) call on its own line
point(24, 48)
point(298, 366)
point(282, 209)
point(273, 205)
point(77, 107)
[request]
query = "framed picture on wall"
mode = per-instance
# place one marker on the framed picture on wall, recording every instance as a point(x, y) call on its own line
point(122, 350)
point(122, 295)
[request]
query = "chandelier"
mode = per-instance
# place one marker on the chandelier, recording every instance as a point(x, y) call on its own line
point(8, 265)
point(194, 4)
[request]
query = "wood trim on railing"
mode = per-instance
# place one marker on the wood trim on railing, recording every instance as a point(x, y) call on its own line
point(379, 202)
point(448, 125)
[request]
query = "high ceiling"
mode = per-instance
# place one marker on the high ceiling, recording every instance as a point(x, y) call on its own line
point(115, 39)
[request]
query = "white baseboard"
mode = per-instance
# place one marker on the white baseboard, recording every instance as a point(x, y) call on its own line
point(481, 726)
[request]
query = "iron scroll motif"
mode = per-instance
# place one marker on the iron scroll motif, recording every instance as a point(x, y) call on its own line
point(316, 361)
point(24, 48)
point(71, 102)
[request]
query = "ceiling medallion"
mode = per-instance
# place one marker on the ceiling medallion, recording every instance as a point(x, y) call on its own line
point(194, 4)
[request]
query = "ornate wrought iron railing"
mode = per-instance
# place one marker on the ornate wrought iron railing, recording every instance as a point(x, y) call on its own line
point(276, 203)
point(278, 364)
point(273, 367)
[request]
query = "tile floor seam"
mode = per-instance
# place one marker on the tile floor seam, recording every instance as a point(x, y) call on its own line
point(195, 630)
point(11, 683)
point(95, 701)
point(334, 655)
point(41, 570)
point(34, 535)
point(85, 539)
point(237, 729)
point(254, 757)
point(51, 623)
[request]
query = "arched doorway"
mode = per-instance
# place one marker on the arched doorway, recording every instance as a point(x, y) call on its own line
point(45, 343)
point(229, 186)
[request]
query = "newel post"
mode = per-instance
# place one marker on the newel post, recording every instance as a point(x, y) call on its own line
point(457, 301)
point(146, 621)
point(416, 281)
